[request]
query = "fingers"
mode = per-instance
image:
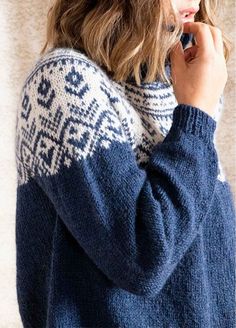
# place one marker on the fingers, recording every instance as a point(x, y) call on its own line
point(208, 38)
point(190, 53)
point(203, 37)
point(217, 38)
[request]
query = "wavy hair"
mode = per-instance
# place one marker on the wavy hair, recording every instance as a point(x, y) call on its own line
point(123, 35)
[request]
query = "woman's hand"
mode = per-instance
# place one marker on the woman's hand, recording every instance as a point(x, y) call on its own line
point(199, 73)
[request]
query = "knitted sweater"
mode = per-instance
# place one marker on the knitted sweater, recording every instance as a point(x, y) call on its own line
point(124, 217)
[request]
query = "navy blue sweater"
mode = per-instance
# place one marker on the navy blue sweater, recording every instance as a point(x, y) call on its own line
point(124, 217)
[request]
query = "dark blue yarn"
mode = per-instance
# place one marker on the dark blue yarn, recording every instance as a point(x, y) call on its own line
point(186, 38)
point(105, 243)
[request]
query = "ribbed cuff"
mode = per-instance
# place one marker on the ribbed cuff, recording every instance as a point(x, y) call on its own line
point(193, 120)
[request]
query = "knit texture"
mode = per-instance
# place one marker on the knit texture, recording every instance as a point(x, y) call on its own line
point(124, 217)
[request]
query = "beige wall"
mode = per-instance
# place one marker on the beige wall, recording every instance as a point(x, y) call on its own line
point(22, 31)
point(226, 129)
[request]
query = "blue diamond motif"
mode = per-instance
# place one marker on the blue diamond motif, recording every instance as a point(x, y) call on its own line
point(74, 77)
point(44, 87)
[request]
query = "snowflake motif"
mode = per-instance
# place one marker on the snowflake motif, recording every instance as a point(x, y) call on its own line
point(74, 78)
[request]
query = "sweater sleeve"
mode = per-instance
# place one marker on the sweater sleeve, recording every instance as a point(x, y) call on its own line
point(134, 223)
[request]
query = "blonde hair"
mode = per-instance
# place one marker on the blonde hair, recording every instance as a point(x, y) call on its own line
point(123, 35)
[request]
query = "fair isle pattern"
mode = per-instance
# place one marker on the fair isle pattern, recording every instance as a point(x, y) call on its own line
point(69, 107)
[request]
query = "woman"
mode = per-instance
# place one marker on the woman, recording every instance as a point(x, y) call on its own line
point(124, 217)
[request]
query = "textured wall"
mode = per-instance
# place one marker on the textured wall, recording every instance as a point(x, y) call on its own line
point(22, 32)
point(226, 129)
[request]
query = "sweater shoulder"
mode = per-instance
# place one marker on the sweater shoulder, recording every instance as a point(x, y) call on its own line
point(65, 114)
point(58, 60)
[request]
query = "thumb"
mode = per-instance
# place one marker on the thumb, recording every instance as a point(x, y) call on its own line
point(177, 57)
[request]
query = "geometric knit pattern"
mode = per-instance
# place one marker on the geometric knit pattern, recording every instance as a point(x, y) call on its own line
point(46, 138)
point(123, 216)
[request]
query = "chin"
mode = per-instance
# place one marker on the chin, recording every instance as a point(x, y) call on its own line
point(187, 20)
